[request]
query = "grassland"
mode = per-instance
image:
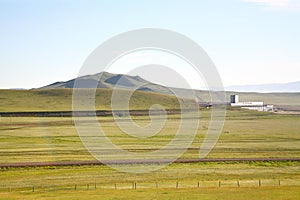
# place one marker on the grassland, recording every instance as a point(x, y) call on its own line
point(61, 99)
point(267, 193)
point(186, 174)
point(246, 134)
point(177, 181)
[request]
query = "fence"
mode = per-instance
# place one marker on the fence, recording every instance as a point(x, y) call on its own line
point(156, 184)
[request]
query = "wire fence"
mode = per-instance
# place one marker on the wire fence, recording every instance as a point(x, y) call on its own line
point(155, 184)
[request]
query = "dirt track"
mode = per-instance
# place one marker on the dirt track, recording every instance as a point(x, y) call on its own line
point(120, 162)
point(89, 113)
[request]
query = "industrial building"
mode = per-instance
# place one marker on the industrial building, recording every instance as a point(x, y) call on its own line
point(259, 105)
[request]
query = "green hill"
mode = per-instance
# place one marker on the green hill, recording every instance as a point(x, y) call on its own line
point(109, 80)
point(61, 100)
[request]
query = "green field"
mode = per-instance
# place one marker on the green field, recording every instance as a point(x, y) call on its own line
point(267, 193)
point(246, 134)
point(61, 99)
point(177, 181)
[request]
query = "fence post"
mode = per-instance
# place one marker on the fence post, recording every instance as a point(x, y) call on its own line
point(219, 183)
point(88, 186)
point(135, 185)
point(279, 183)
point(32, 188)
point(238, 183)
point(176, 184)
point(259, 183)
point(75, 187)
point(95, 185)
point(198, 184)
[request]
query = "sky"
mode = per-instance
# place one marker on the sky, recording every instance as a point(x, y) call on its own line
point(249, 41)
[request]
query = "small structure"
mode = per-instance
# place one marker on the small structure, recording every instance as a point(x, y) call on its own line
point(234, 98)
point(259, 105)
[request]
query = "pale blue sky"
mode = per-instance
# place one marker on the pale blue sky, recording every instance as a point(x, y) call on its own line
point(250, 41)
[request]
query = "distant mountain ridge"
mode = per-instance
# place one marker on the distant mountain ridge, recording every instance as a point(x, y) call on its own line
point(121, 81)
point(109, 80)
point(274, 87)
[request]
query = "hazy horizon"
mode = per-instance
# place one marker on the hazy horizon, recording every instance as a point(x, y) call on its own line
point(262, 88)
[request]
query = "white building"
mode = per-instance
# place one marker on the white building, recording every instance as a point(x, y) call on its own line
point(259, 105)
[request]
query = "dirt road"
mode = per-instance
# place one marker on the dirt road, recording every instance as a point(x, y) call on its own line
point(120, 162)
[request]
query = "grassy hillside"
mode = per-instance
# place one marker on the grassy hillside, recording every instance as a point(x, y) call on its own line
point(61, 100)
